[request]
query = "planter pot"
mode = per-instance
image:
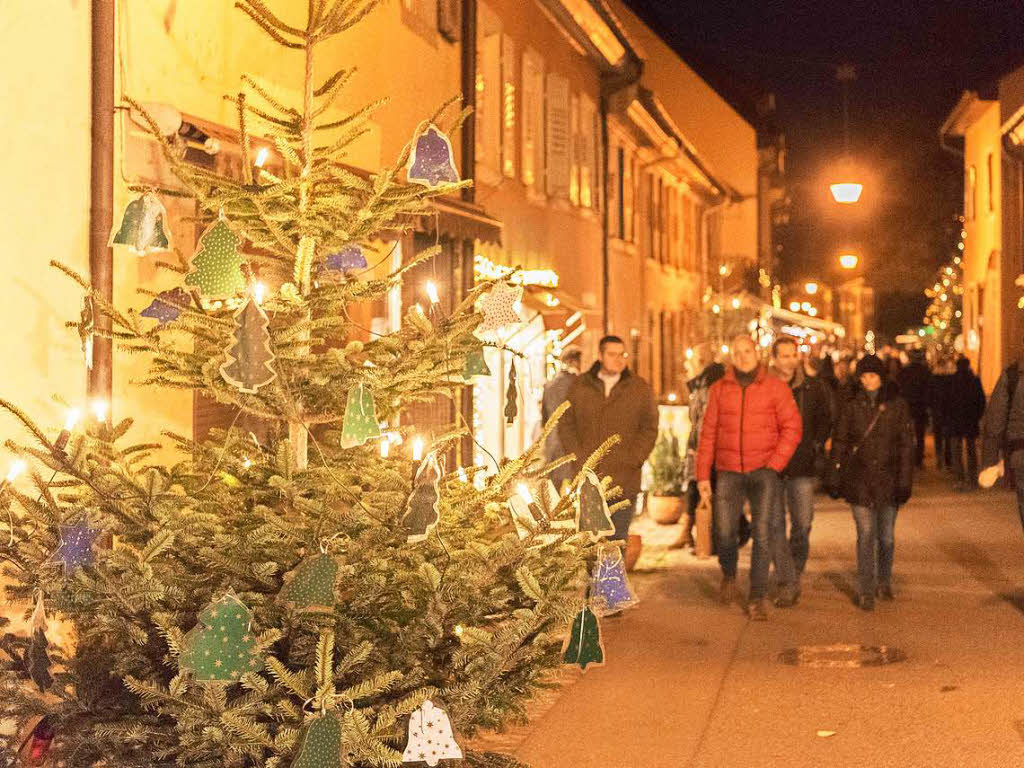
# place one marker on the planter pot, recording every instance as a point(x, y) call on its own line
point(634, 545)
point(666, 510)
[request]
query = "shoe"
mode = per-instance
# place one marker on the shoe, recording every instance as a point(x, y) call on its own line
point(866, 602)
point(789, 595)
point(757, 610)
point(885, 593)
point(728, 592)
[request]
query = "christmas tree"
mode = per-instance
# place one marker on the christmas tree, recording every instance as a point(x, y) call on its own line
point(337, 651)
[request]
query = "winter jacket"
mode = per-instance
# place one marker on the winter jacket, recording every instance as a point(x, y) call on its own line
point(914, 381)
point(940, 402)
point(814, 399)
point(995, 425)
point(628, 411)
point(881, 471)
point(700, 390)
point(748, 428)
point(967, 402)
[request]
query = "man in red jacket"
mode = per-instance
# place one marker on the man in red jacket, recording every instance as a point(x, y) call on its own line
point(751, 430)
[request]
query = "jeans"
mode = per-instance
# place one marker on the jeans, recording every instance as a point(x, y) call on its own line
point(968, 445)
point(798, 499)
point(761, 489)
point(621, 520)
point(876, 542)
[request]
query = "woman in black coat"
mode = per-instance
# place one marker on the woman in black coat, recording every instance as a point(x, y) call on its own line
point(967, 399)
point(872, 467)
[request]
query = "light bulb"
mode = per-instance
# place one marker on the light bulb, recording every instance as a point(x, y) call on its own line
point(458, 630)
point(261, 156)
point(71, 419)
point(689, 354)
point(735, 303)
point(417, 449)
point(716, 309)
point(259, 290)
point(524, 491)
point(432, 292)
point(385, 448)
point(17, 467)
point(671, 397)
point(99, 409)
point(463, 477)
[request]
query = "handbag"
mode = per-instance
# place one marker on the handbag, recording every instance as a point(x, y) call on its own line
point(839, 468)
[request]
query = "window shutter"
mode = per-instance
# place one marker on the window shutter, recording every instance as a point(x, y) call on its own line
point(614, 180)
point(588, 153)
point(575, 149)
point(557, 136)
point(508, 107)
point(533, 118)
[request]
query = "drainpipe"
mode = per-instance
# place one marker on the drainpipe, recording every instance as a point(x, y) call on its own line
point(468, 62)
point(101, 193)
point(610, 85)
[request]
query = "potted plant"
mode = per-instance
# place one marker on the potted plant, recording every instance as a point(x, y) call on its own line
point(665, 491)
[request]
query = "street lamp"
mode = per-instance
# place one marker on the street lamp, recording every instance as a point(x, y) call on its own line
point(811, 287)
point(848, 261)
point(846, 191)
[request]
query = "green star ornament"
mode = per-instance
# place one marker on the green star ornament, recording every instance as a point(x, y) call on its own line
point(310, 586)
point(221, 647)
point(321, 744)
point(360, 422)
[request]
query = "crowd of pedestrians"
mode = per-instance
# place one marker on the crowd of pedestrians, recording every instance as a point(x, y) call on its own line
point(767, 434)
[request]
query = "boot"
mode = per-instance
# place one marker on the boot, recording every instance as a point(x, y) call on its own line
point(728, 592)
point(685, 540)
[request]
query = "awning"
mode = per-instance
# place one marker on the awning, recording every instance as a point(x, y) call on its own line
point(554, 305)
point(460, 220)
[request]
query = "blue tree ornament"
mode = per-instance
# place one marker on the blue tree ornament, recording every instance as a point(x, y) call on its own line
point(431, 162)
point(168, 305)
point(76, 544)
point(609, 588)
point(349, 258)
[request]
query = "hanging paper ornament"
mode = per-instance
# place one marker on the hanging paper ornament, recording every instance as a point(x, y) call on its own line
point(500, 308)
point(37, 659)
point(511, 395)
point(75, 549)
point(609, 587)
point(592, 513)
point(421, 510)
point(360, 422)
point(431, 162)
point(430, 736)
point(476, 365)
point(321, 744)
point(349, 258)
point(220, 647)
point(583, 645)
point(168, 305)
point(311, 585)
point(143, 227)
point(248, 366)
point(217, 265)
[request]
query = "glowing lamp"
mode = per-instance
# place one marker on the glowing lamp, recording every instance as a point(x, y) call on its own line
point(417, 449)
point(432, 292)
point(848, 261)
point(811, 288)
point(794, 306)
point(846, 192)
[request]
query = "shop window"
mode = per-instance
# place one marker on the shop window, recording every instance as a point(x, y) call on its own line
point(508, 106)
point(533, 119)
point(557, 136)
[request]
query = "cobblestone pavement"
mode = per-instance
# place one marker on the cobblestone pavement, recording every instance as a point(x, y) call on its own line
point(691, 683)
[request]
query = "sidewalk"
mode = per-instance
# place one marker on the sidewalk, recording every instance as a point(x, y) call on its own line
point(688, 682)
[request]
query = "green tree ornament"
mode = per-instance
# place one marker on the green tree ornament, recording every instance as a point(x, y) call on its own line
point(217, 265)
point(511, 395)
point(248, 366)
point(360, 422)
point(321, 744)
point(583, 645)
point(311, 585)
point(221, 647)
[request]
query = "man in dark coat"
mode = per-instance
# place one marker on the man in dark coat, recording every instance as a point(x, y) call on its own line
point(872, 467)
point(610, 400)
point(968, 399)
point(556, 392)
point(941, 406)
point(799, 479)
point(914, 381)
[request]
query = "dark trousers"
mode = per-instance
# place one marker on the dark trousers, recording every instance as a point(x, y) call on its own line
point(920, 425)
point(762, 489)
point(944, 445)
point(622, 520)
point(876, 544)
point(968, 446)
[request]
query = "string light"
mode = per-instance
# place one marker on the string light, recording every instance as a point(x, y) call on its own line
point(417, 449)
point(524, 491)
point(99, 409)
point(259, 290)
point(261, 156)
point(71, 418)
point(385, 447)
point(17, 467)
point(672, 397)
point(735, 303)
point(432, 293)
point(246, 462)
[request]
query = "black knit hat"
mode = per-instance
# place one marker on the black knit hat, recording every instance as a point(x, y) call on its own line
point(870, 364)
